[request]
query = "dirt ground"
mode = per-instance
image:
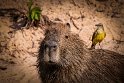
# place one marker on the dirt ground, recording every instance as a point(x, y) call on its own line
point(19, 49)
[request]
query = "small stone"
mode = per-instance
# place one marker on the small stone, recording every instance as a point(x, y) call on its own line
point(3, 43)
point(100, 10)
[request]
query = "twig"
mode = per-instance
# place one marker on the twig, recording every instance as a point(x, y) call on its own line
point(119, 41)
point(71, 19)
point(75, 4)
point(82, 16)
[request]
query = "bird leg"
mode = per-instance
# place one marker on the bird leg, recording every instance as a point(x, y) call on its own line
point(100, 46)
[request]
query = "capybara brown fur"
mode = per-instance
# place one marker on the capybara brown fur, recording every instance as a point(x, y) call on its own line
point(63, 58)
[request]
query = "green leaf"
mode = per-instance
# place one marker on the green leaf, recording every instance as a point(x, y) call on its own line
point(35, 13)
point(36, 17)
point(32, 15)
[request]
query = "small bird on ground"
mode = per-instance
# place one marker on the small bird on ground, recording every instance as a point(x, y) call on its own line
point(98, 35)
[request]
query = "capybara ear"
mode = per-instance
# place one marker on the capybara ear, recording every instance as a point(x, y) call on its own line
point(46, 32)
point(68, 25)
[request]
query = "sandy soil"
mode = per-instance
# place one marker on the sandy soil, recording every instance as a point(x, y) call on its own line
point(18, 55)
point(19, 49)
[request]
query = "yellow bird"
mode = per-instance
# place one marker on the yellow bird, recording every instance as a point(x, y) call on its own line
point(98, 35)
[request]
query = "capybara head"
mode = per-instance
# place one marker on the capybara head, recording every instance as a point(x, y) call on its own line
point(57, 50)
point(52, 43)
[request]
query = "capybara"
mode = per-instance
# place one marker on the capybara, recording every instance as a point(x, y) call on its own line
point(63, 58)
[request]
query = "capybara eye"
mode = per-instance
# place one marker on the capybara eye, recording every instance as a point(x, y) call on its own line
point(66, 37)
point(45, 46)
point(54, 46)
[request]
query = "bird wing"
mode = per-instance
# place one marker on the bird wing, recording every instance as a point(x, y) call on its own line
point(94, 35)
point(105, 34)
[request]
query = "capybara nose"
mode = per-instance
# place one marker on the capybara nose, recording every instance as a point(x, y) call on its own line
point(51, 61)
point(51, 44)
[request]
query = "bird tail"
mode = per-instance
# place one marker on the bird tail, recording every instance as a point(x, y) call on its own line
point(92, 46)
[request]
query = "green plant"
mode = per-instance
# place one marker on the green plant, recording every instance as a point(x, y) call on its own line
point(33, 13)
